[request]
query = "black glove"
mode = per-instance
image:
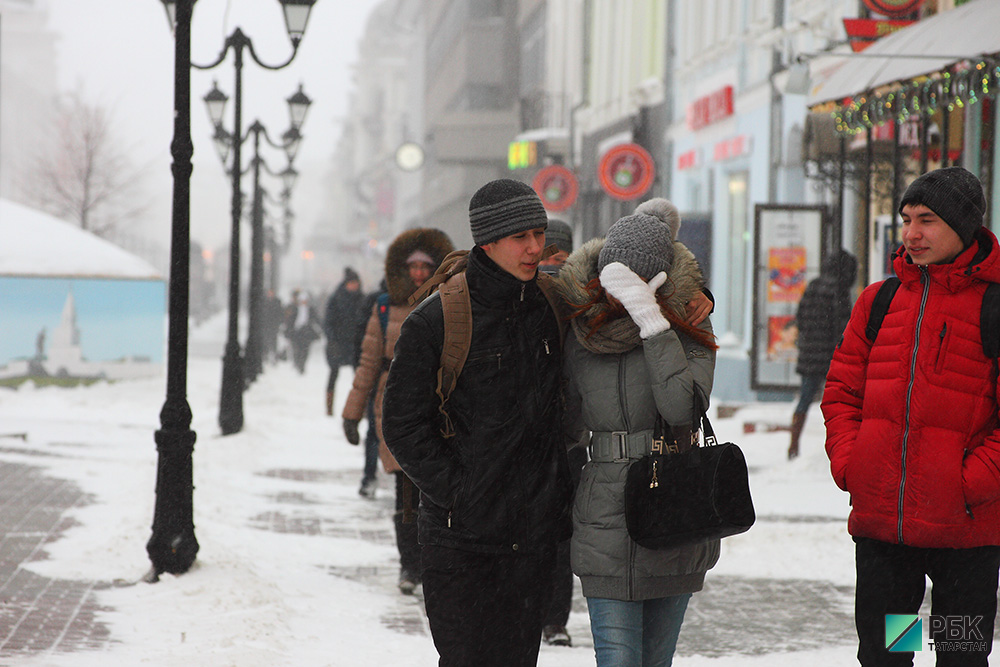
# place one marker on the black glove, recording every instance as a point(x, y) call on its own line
point(351, 431)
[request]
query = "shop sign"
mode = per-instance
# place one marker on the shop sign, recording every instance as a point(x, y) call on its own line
point(626, 171)
point(522, 154)
point(894, 7)
point(710, 108)
point(688, 160)
point(862, 33)
point(556, 186)
point(730, 148)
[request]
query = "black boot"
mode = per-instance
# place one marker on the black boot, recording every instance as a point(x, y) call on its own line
point(798, 422)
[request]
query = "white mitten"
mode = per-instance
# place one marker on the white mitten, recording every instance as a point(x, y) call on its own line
point(638, 297)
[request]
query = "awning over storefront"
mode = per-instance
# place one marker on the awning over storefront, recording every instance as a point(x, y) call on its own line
point(965, 33)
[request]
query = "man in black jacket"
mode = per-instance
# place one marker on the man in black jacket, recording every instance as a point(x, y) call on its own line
point(494, 496)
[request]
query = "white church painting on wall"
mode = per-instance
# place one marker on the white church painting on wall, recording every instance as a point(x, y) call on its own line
point(81, 328)
point(73, 305)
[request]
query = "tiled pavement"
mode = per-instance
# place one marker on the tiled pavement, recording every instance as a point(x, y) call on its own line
point(38, 614)
point(733, 615)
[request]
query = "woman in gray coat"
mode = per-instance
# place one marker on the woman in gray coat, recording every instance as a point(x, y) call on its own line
point(629, 357)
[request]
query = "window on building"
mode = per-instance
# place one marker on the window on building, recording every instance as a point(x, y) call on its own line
point(739, 252)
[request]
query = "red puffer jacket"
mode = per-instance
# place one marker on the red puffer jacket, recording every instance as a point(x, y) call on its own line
point(912, 420)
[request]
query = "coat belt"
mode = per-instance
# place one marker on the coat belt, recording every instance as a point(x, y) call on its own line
point(619, 445)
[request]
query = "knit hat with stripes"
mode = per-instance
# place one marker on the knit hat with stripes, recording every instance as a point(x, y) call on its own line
point(504, 207)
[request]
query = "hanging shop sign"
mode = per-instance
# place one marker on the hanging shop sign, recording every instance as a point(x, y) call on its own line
point(894, 7)
point(711, 108)
point(556, 186)
point(626, 171)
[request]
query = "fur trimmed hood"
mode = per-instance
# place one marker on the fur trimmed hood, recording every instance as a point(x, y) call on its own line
point(432, 241)
point(684, 281)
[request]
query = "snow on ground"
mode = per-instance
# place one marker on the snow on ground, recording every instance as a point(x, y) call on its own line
point(257, 596)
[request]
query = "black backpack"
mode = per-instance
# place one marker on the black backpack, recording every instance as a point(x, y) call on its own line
point(989, 315)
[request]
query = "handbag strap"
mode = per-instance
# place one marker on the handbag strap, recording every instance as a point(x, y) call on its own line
point(707, 430)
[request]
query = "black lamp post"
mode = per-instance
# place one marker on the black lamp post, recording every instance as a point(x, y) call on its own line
point(254, 347)
point(296, 17)
point(172, 547)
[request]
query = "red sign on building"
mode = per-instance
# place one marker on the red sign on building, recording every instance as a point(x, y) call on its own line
point(556, 186)
point(626, 171)
point(710, 108)
point(862, 33)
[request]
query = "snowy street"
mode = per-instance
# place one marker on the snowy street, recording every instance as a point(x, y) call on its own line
point(295, 568)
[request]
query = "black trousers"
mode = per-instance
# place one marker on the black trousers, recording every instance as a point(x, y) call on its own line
point(891, 581)
point(562, 574)
point(486, 609)
point(406, 531)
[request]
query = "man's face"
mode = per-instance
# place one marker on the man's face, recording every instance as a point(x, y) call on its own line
point(419, 272)
point(557, 259)
point(518, 254)
point(927, 238)
point(352, 285)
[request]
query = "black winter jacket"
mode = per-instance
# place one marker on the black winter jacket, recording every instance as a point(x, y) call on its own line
point(501, 484)
point(823, 313)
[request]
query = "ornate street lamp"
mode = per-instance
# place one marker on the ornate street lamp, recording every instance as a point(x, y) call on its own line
point(172, 547)
point(233, 381)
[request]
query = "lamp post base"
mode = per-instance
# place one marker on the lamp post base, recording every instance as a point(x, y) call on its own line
point(172, 547)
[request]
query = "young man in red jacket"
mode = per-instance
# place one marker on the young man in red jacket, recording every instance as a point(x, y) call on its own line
point(913, 433)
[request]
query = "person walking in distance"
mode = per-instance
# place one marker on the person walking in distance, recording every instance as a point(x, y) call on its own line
point(339, 326)
point(912, 431)
point(491, 462)
point(820, 318)
point(410, 261)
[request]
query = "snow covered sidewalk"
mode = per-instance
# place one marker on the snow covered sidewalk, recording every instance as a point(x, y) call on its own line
point(295, 568)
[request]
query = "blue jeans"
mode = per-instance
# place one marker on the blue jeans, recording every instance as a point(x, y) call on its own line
point(636, 634)
point(811, 385)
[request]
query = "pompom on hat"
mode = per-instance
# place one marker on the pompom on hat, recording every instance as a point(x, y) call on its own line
point(504, 207)
point(665, 211)
point(638, 242)
point(954, 194)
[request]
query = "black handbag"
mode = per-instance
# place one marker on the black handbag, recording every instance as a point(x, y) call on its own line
point(685, 494)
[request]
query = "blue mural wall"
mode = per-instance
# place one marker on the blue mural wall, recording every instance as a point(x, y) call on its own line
point(115, 318)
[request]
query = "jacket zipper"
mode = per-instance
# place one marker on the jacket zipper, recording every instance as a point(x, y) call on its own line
point(909, 393)
point(623, 405)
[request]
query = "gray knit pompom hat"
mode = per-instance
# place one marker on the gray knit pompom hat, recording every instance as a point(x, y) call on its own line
point(638, 242)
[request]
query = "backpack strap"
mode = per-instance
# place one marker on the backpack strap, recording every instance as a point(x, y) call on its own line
point(457, 308)
point(880, 306)
point(548, 286)
point(989, 322)
point(383, 311)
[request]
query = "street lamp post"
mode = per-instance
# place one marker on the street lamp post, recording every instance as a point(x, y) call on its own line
point(254, 348)
point(172, 547)
point(233, 381)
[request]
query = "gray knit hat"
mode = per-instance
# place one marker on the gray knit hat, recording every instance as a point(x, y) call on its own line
point(638, 242)
point(955, 194)
point(560, 233)
point(504, 207)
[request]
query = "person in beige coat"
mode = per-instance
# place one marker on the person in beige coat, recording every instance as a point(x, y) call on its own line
point(411, 259)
